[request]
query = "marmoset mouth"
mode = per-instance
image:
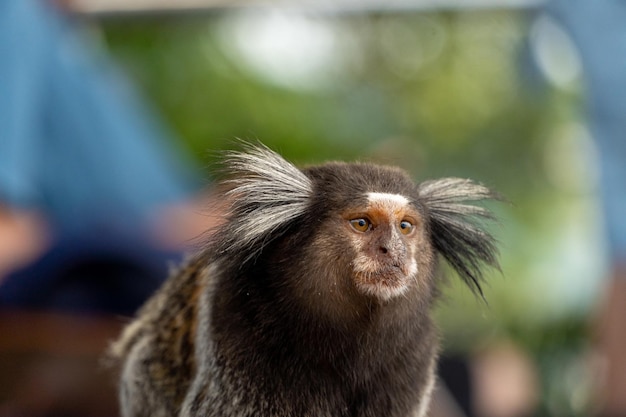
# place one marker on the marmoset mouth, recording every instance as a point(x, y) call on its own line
point(385, 283)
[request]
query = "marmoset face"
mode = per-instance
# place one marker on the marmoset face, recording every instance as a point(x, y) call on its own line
point(385, 235)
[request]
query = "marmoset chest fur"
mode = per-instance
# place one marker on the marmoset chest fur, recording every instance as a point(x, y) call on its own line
point(312, 299)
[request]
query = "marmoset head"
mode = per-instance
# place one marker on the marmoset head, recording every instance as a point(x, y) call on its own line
point(373, 234)
point(340, 234)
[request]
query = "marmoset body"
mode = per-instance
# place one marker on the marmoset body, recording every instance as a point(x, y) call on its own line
point(312, 299)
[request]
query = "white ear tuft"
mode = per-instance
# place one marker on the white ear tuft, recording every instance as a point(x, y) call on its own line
point(267, 193)
point(455, 234)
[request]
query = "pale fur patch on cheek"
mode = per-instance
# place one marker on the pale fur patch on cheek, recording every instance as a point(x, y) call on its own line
point(412, 270)
point(364, 264)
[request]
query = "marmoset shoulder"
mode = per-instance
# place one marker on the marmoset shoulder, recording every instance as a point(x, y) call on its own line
point(313, 298)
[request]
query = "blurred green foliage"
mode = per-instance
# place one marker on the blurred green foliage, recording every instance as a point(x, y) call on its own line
point(440, 94)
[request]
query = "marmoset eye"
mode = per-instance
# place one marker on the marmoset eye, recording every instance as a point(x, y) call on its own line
point(361, 225)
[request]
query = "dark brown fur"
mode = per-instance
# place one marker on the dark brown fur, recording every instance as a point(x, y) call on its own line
point(279, 329)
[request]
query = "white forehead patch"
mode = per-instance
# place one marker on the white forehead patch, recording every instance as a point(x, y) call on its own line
point(388, 198)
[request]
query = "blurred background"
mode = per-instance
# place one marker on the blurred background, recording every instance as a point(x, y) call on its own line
point(489, 90)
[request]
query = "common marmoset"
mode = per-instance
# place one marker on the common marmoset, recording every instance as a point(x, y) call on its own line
point(312, 299)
